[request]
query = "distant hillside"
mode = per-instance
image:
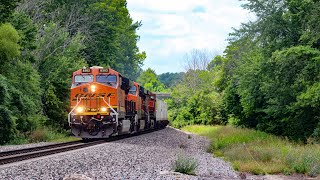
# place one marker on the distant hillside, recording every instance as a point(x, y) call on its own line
point(170, 79)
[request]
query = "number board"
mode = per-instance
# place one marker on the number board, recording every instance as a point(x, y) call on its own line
point(104, 70)
point(86, 70)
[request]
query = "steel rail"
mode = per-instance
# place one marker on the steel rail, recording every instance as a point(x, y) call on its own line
point(45, 152)
point(38, 148)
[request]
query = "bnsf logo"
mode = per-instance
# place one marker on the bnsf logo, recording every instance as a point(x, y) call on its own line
point(91, 96)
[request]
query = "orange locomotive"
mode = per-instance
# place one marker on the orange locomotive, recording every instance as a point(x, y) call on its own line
point(105, 103)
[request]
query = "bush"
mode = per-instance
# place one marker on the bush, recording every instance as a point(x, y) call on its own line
point(19, 139)
point(44, 134)
point(7, 125)
point(185, 165)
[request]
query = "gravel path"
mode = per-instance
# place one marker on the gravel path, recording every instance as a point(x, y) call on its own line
point(148, 156)
point(16, 147)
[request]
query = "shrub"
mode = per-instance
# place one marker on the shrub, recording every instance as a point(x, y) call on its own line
point(19, 139)
point(44, 134)
point(7, 125)
point(185, 165)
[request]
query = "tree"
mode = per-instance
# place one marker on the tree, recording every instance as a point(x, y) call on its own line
point(9, 47)
point(149, 80)
point(58, 58)
point(113, 41)
point(6, 9)
point(43, 42)
point(268, 78)
point(272, 66)
point(195, 62)
point(170, 79)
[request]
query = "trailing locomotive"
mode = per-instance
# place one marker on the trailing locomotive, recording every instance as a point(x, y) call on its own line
point(104, 103)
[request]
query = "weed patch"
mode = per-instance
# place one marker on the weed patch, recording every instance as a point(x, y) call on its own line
point(185, 165)
point(49, 135)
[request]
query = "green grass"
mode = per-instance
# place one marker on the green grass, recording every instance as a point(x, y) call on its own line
point(43, 135)
point(65, 139)
point(258, 152)
point(49, 135)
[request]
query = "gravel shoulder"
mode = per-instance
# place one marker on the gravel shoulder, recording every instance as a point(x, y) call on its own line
point(148, 156)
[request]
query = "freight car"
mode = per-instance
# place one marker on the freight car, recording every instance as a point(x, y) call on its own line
point(104, 103)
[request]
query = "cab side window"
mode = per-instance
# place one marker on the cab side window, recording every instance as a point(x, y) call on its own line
point(133, 90)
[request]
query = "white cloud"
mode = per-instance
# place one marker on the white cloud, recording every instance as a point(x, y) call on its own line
point(171, 28)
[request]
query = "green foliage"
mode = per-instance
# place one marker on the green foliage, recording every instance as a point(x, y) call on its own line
point(6, 9)
point(59, 57)
point(45, 134)
point(7, 125)
point(185, 165)
point(114, 40)
point(27, 32)
point(149, 80)
point(258, 152)
point(268, 78)
point(42, 43)
point(293, 73)
point(4, 95)
point(170, 79)
point(7, 121)
point(195, 101)
point(25, 96)
point(20, 99)
point(9, 47)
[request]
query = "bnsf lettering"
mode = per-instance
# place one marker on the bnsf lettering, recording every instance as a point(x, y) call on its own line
point(90, 96)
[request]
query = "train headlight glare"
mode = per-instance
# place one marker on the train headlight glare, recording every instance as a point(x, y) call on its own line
point(93, 88)
point(103, 109)
point(80, 109)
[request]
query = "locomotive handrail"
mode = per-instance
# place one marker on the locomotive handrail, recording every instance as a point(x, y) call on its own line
point(69, 115)
point(114, 111)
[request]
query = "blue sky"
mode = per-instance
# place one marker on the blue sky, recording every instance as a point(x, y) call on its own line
point(172, 28)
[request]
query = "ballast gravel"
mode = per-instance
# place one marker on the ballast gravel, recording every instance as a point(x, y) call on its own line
point(147, 156)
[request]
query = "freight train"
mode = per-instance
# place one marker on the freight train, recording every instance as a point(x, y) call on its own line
point(104, 103)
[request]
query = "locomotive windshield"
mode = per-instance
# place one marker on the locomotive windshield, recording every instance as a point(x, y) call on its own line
point(133, 90)
point(83, 78)
point(110, 80)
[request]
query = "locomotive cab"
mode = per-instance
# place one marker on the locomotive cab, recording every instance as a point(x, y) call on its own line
point(94, 102)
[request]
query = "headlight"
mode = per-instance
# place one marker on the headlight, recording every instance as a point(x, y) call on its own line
point(103, 109)
point(93, 88)
point(80, 109)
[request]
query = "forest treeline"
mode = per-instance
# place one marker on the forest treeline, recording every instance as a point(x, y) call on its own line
point(43, 42)
point(268, 78)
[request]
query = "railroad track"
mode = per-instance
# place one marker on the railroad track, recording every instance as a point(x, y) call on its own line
point(30, 153)
point(8, 157)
